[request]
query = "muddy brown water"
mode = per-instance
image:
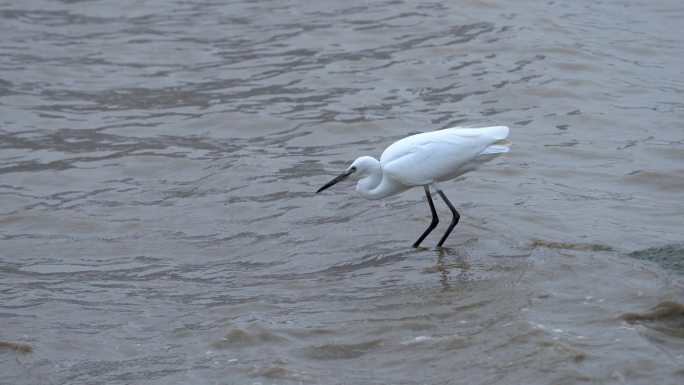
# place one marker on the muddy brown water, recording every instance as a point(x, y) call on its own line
point(158, 221)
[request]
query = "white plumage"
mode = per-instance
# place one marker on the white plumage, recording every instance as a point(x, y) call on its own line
point(425, 159)
point(440, 155)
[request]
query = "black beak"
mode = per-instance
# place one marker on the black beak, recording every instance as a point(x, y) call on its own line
point(335, 181)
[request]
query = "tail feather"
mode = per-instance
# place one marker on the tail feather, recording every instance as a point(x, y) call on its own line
point(498, 147)
point(499, 132)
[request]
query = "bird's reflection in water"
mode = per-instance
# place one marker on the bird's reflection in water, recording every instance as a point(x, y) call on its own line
point(449, 260)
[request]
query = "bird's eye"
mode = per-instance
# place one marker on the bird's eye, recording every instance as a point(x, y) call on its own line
point(353, 168)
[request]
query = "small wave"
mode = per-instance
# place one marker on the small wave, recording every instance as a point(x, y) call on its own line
point(666, 317)
point(22, 348)
point(333, 351)
point(255, 335)
point(280, 373)
point(570, 246)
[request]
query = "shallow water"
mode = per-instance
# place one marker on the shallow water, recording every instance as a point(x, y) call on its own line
point(158, 165)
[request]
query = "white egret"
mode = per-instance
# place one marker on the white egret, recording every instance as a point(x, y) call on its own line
point(424, 160)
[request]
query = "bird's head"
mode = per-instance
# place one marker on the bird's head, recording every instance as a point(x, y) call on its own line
point(360, 166)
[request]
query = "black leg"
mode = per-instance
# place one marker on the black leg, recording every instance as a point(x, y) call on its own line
point(435, 219)
point(454, 221)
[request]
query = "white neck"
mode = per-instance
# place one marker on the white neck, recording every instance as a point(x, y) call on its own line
point(375, 186)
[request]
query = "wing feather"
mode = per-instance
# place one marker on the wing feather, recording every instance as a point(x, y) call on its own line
point(439, 155)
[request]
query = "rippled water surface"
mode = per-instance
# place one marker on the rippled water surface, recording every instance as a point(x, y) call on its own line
point(158, 162)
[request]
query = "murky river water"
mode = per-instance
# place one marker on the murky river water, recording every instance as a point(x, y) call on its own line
point(159, 224)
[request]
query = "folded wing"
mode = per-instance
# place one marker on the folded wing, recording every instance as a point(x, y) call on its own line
point(441, 155)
